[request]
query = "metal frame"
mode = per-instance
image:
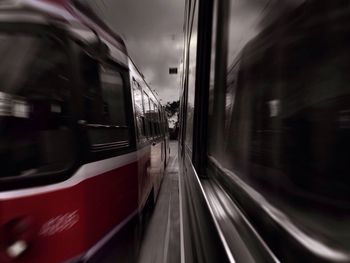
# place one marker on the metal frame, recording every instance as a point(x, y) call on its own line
point(200, 119)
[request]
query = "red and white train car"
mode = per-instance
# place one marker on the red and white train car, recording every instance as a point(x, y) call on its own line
point(83, 139)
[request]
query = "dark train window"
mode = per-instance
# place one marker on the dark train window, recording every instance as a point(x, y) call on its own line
point(139, 111)
point(213, 60)
point(104, 105)
point(113, 97)
point(150, 118)
point(154, 119)
point(89, 68)
point(191, 74)
point(147, 111)
point(112, 126)
point(215, 91)
point(242, 26)
point(285, 113)
point(157, 120)
point(138, 98)
point(35, 106)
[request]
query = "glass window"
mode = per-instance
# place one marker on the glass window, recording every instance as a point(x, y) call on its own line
point(286, 104)
point(286, 124)
point(156, 122)
point(139, 111)
point(213, 138)
point(35, 106)
point(113, 97)
point(146, 103)
point(191, 71)
point(91, 92)
point(229, 101)
point(152, 118)
point(138, 98)
point(147, 111)
point(104, 105)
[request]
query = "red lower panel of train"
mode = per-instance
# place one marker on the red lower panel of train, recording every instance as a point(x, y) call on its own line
point(60, 224)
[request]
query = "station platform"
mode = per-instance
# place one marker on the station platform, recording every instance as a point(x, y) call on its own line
point(158, 240)
point(161, 242)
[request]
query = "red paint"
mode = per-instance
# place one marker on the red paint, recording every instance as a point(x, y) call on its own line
point(102, 203)
point(99, 203)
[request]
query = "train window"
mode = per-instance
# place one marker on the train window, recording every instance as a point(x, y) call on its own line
point(113, 97)
point(159, 124)
point(91, 94)
point(212, 127)
point(285, 113)
point(138, 98)
point(161, 120)
point(192, 52)
point(166, 124)
point(150, 118)
point(157, 120)
point(147, 110)
point(226, 100)
point(112, 126)
point(139, 111)
point(35, 106)
point(154, 118)
point(104, 105)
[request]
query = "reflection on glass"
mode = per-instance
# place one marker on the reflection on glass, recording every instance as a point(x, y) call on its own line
point(192, 37)
point(113, 96)
point(287, 108)
point(35, 135)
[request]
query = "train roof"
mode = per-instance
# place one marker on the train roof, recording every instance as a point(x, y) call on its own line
point(69, 12)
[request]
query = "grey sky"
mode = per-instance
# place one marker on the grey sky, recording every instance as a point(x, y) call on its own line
point(152, 30)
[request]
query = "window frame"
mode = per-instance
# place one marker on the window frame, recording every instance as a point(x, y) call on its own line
point(109, 149)
point(198, 150)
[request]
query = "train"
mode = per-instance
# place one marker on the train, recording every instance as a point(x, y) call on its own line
point(84, 140)
point(265, 131)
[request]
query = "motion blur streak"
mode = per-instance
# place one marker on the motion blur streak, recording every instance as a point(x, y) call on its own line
point(265, 130)
point(84, 140)
point(313, 244)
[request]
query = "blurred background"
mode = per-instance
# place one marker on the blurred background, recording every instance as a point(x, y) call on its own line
point(174, 131)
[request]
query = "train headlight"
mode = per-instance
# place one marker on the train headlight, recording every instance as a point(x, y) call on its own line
point(15, 237)
point(17, 249)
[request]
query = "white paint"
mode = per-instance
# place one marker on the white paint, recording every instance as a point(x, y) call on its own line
point(85, 172)
point(59, 223)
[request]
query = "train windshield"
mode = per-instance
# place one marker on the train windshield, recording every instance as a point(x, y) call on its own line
point(35, 137)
